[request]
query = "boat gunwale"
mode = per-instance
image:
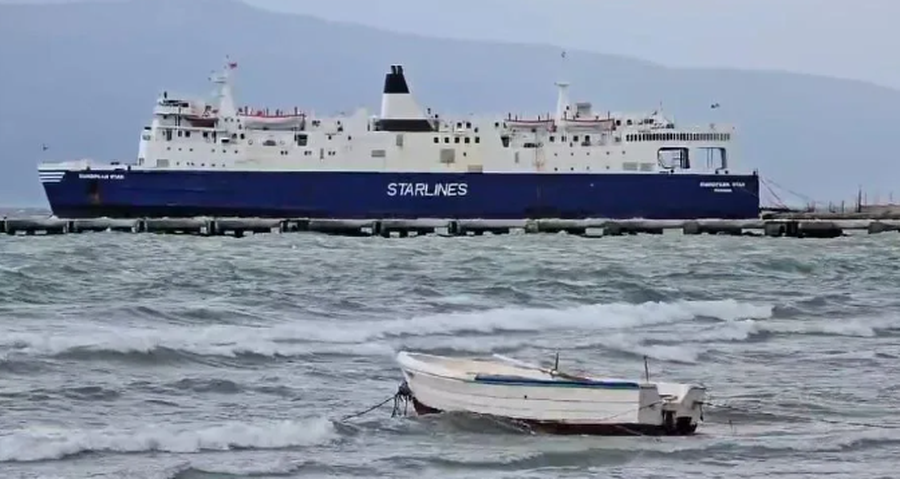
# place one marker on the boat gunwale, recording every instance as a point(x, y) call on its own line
point(410, 363)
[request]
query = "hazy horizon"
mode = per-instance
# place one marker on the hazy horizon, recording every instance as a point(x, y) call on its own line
point(782, 118)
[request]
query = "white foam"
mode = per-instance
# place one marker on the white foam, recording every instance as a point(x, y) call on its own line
point(40, 444)
point(367, 337)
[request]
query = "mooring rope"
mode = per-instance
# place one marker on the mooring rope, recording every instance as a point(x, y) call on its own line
point(403, 395)
point(807, 418)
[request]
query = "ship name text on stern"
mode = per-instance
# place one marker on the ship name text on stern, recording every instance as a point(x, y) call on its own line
point(101, 176)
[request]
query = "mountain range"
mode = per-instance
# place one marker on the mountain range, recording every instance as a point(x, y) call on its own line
point(80, 79)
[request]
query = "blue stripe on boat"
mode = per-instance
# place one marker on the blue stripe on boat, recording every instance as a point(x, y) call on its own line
point(520, 381)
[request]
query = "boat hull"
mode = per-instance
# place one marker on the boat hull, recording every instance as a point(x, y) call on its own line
point(131, 193)
point(684, 428)
point(548, 403)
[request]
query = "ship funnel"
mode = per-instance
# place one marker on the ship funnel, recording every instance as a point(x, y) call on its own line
point(399, 110)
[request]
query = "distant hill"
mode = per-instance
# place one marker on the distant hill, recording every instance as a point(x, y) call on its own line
point(82, 78)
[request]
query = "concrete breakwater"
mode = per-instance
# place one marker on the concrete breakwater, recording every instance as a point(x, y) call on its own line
point(797, 228)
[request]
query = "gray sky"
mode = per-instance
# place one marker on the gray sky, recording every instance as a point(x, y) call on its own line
point(854, 39)
point(844, 38)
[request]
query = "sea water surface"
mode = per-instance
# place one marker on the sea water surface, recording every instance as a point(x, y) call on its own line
point(145, 356)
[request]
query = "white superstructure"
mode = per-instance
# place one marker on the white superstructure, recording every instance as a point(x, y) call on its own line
point(190, 134)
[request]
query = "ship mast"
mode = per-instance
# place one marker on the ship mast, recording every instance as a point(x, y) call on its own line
point(562, 98)
point(225, 94)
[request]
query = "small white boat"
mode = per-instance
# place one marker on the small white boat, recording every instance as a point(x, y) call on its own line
point(549, 400)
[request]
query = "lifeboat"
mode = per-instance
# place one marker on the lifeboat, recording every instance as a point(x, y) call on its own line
point(205, 119)
point(277, 120)
point(529, 123)
point(596, 122)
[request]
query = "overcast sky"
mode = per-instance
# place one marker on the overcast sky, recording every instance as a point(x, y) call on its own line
point(855, 39)
point(845, 38)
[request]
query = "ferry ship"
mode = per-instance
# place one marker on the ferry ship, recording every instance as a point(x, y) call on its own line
point(209, 157)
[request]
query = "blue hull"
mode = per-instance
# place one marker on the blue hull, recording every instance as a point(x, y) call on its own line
point(352, 195)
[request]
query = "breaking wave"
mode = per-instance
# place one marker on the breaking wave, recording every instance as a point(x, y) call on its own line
point(42, 444)
point(365, 337)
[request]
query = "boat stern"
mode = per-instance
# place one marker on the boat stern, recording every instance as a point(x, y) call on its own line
point(682, 406)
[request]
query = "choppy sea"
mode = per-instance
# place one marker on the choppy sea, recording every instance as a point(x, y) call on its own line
point(143, 356)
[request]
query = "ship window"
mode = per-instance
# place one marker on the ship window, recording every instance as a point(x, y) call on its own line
point(505, 140)
point(563, 139)
point(467, 140)
point(446, 139)
point(456, 139)
point(552, 139)
point(205, 134)
point(437, 140)
point(378, 154)
point(187, 134)
point(477, 139)
point(179, 133)
point(496, 124)
point(468, 124)
point(575, 138)
point(587, 138)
